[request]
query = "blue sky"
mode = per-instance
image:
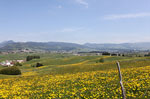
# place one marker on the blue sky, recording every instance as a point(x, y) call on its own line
point(77, 21)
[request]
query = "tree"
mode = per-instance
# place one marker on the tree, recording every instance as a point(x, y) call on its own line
point(105, 53)
point(28, 58)
point(32, 57)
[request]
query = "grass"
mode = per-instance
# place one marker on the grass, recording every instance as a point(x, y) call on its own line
point(66, 63)
point(79, 77)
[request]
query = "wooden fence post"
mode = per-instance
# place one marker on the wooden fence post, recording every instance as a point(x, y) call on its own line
point(121, 83)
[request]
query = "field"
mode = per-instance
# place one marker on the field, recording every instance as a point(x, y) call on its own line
point(77, 77)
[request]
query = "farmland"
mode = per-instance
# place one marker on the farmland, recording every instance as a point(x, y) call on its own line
point(76, 77)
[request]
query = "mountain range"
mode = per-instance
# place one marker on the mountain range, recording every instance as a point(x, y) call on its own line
point(62, 46)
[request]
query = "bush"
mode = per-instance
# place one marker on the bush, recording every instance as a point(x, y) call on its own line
point(39, 64)
point(101, 60)
point(11, 71)
point(18, 64)
point(33, 65)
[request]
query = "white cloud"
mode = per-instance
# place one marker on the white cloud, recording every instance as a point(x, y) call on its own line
point(83, 2)
point(125, 16)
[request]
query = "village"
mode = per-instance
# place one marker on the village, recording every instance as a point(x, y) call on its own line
point(9, 63)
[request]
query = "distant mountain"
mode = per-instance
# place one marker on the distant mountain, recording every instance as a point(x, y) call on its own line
point(6, 43)
point(61, 46)
point(44, 46)
point(126, 46)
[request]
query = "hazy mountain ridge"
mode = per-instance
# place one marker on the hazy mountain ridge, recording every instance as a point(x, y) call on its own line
point(45, 46)
point(63, 46)
point(129, 46)
point(2, 44)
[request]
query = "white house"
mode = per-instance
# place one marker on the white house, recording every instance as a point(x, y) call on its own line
point(20, 61)
point(7, 63)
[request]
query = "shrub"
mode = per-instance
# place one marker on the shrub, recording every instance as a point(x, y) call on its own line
point(39, 64)
point(33, 65)
point(11, 71)
point(101, 60)
point(18, 64)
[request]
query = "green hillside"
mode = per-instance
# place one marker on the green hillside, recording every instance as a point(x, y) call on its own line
point(76, 77)
point(67, 63)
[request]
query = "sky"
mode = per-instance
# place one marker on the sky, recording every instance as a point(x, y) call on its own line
point(76, 21)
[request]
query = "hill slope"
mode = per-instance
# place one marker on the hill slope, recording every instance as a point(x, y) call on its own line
point(61, 46)
point(45, 46)
point(79, 77)
point(128, 46)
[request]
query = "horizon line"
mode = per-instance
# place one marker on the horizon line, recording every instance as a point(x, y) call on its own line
point(73, 42)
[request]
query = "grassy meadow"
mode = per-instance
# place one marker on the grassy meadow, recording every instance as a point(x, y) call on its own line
point(65, 76)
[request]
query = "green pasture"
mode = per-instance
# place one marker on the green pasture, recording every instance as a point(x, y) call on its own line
point(67, 63)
